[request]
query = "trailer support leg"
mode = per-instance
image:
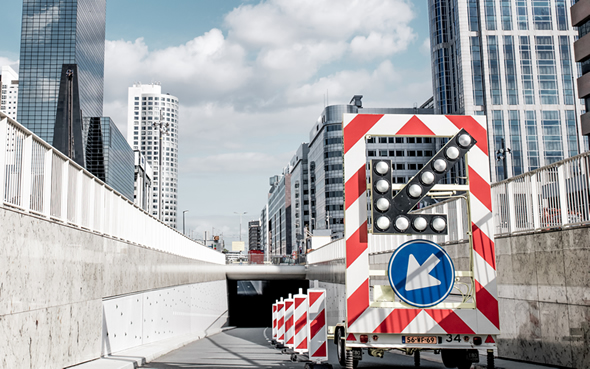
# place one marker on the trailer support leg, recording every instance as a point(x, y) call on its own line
point(491, 359)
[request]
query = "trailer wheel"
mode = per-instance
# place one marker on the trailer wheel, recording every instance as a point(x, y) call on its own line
point(449, 358)
point(417, 358)
point(340, 349)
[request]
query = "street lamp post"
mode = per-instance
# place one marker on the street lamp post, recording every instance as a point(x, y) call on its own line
point(240, 214)
point(184, 211)
point(163, 129)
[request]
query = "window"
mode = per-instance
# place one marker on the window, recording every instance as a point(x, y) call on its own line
point(399, 140)
point(400, 166)
point(400, 153)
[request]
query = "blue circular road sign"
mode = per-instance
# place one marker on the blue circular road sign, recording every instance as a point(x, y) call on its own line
point(421, 273)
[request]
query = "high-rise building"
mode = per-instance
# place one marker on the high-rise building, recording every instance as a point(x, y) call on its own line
point(254, 235)
point(279, 214)
point(513, 62)
point(54, 33)
point(108, 155)
point(143, 182)
point(152, 121)
point(325, 157)
point(580, 12)
point(300, 214)
point(9, 92)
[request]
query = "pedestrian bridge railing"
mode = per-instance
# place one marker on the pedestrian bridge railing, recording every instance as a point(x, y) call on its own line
point(554, 196)
point(37, 179)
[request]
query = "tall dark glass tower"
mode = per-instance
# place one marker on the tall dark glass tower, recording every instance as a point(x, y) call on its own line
point(54, 33)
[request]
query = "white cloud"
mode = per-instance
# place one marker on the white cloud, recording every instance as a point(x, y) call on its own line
point(232, 163)
point(14, 64)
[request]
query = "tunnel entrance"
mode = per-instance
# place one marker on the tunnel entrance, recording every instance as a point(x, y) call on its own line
point(250, 302)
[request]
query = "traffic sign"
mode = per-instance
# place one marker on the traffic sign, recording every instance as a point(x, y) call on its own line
point(421, 273)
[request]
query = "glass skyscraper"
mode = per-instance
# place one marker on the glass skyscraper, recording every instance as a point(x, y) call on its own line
point(511, 60)
point(57, 32)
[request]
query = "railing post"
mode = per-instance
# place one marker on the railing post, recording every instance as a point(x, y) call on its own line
point(47, 174)
point(536, 211)
point(511, 204)
point(64, 190)
point(91, 201)
point(3, 140)
point(26, 173)
point(563, 205)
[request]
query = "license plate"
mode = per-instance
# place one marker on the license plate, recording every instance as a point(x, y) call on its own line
point(420, 339)
point(473, 356)
point(357, 354)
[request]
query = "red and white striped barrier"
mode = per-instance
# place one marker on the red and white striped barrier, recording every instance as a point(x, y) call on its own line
point(300, 319)
point(289, 326)
point(274, 321)
point(317, 332)
point(281, 321)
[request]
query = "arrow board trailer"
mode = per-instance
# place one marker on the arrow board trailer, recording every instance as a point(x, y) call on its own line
point(425, 300)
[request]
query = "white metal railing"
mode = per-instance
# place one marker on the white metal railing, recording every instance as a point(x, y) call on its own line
point(554, 196)
point(37, 179)
point(335, 250)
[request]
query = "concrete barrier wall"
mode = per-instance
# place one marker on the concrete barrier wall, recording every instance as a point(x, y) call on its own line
point(53, 279)
point(544, 290)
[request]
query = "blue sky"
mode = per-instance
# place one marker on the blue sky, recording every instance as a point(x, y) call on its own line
point(251, 78)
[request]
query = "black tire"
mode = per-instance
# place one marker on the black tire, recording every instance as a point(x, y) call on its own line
point(416, 358)
point(355, 363)
point(464, 365)
point(340, 348)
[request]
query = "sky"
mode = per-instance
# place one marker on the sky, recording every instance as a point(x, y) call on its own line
point(252, 77)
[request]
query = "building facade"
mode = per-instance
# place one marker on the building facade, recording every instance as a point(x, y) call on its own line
point(513, 62)
point(54, 33)
point(580, 14)
point(300, 215)
point(254, 235)
point(150, 112)
point(278, 216)
point(325, 157)
point(9, 92)
point(108, 155)
point(142, 191)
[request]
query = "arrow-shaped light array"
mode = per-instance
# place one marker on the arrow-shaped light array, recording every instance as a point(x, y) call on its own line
point(391, 215)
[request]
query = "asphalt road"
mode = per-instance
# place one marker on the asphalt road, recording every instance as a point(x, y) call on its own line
point(250, 348)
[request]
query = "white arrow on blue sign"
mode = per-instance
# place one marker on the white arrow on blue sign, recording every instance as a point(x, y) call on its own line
point(421, 273)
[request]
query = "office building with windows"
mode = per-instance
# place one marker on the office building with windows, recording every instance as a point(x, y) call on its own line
point(153, 115)
point(325, 157)
point(254, 235)
point(54, 33)
point(108, 155)
point(580, 13)
point(513, 62)
point(300, 198)
point(9, 91)
point(279, 214)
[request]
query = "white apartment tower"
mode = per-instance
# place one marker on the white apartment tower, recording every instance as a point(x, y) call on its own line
point(153, 115)
point(9, 94)
point(513, 61)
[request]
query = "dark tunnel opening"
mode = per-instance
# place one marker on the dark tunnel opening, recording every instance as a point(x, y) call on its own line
point(250, 302)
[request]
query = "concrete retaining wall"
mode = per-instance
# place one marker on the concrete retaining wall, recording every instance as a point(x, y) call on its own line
point(544, 290)
point(53, 279)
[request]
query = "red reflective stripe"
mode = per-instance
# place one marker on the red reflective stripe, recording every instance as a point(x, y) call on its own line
point(302, 345)
point(356, 244)
point(313, 296)
point(415, 127)
point(358, 302)
point(487, 304)
point(483, 246)
point(473, 128)
point(318, 323)
point(449, 321)
point(290, 341)
point(321, 351)
point(397, 321)
point(300, 324)
point(480, 188)
point(355, 187)
point(358, 127)
point(299, 301)
point(288, 304)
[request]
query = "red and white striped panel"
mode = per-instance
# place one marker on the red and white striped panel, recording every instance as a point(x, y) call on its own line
point(300, 319)
point(317, 332)
point(274, 320)
point(281, 321)
point(362, 319)
point(289, 324)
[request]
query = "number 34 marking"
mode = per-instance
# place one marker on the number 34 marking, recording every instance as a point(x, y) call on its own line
point(450, 338)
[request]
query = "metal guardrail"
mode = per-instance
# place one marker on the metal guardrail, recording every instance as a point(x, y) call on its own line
point(37, 179)
point(554, 196)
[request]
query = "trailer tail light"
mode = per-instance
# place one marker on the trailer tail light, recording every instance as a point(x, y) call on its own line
point(477, 341)
point(375, 337)
point(364, 338)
